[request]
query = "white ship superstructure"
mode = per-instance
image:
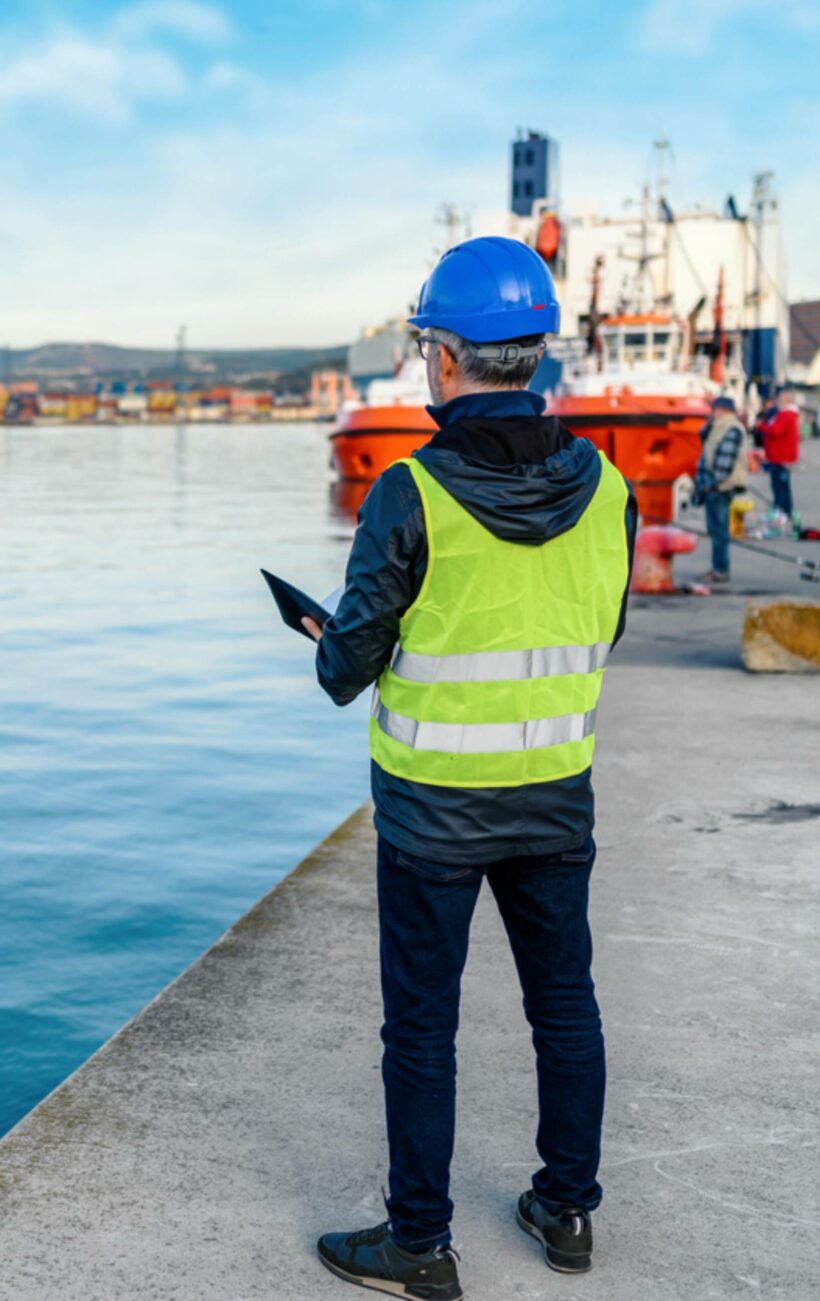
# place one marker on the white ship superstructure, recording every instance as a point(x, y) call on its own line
point(684, 256)
point(685, 253)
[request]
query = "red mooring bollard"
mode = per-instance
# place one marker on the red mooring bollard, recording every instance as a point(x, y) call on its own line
point(655, 546)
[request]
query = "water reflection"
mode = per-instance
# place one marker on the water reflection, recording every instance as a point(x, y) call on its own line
point(163, 736)
point(346, 496)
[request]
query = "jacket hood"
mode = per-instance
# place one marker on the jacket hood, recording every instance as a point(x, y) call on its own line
point(525, 479)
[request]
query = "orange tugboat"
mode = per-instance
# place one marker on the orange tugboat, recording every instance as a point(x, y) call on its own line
point(639, 393)
point(637, 377)
point(636, 397)
point(641, 396)
point(641, 408)
point(635, 401)
point(391, 423)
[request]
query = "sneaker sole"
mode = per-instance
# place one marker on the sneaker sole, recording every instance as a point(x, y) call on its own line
point(388, 1286)
point(560, 1261)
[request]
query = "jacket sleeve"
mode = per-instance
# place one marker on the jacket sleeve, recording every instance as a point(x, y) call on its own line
point(631, 526)
point(384, 574)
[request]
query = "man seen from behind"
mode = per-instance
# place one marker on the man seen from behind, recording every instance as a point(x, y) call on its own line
point(485, 590)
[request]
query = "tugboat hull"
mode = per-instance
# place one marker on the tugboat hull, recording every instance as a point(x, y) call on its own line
point(653, 440)
point(367, 440)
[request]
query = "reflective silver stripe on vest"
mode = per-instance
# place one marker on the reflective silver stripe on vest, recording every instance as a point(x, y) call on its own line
point(501, 666)
point(483, 738)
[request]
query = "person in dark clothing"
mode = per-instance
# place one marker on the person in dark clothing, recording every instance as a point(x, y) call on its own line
point(486, 586)
point(720, 473)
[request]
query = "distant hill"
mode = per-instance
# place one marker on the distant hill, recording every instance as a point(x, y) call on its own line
point(64, 362)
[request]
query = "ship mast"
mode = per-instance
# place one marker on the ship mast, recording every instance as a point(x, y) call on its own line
point(641, 290)
point(717, 365)
point(453, 222)
point(595, 318)
point(662, 146)
point(762, 200)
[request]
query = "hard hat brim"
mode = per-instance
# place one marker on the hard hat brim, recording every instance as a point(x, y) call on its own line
point(490, 327)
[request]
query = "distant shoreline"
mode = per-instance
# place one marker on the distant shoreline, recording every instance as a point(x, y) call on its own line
point(279, 415)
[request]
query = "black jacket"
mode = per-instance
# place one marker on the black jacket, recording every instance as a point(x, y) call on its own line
point(527, 479)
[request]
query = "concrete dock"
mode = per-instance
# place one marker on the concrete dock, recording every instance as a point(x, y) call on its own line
point(200, 1153)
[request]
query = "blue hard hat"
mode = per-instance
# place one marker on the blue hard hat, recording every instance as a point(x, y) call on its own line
point(723, 403)
point(489, 289)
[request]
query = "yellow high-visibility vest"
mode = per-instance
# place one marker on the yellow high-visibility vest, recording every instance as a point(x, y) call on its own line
point(497, 672)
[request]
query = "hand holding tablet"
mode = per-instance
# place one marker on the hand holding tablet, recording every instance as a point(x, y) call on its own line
point(295, 605)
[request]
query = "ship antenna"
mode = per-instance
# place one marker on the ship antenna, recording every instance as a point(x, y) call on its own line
point(451, 219)
point(593, 336)
point(643, 257)
point(717, 364)
point(661, 147)
point(762, 200)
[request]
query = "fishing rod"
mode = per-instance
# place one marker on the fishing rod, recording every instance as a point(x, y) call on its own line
point(761, 496)
point(813, 565)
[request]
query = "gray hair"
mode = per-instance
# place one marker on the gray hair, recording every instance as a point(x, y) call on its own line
point(513, 365)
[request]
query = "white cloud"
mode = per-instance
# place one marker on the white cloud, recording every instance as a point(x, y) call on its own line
point(97, 77)
point(684, 26)
point(309, 211)
point(231, 79)
point(108, 74)
point(691, 26)
point(197, 22)
point(226, 76)
point(806, 17)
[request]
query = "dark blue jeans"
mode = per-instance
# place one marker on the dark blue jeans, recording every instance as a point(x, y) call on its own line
point(425, 910)
point(717, 522)
point(781, 487)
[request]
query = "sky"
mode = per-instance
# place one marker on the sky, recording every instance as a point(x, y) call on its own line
point(269, 174)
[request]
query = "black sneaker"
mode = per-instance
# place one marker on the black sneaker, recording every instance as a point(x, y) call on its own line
point(372, 1259)
point(566, 1237)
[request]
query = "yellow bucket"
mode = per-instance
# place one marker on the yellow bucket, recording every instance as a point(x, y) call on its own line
point(739, 507)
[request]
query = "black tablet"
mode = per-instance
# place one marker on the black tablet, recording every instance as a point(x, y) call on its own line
point(294, 605)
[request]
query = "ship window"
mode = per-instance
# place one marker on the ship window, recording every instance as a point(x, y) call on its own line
point(528, 190)
point(530, 157)
point(660, 345)
point(635, 345)
point(516, 189)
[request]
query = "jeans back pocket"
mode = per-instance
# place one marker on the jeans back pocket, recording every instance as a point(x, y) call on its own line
point(430, 869)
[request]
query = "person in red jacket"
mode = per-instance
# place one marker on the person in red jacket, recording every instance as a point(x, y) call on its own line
point(781, 445)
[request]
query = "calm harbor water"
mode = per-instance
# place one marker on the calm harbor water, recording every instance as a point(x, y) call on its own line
point(165, 752)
